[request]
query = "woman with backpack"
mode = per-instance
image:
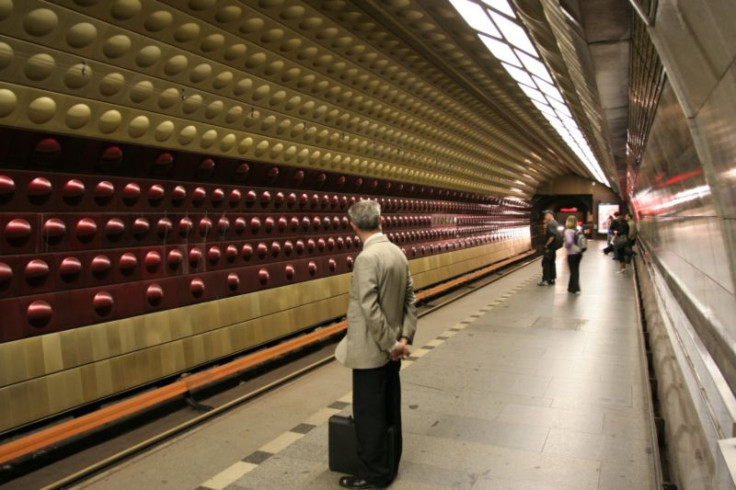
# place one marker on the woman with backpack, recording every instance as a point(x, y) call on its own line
point(574, 253)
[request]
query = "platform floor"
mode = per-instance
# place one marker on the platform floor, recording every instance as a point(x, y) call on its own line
point(514, 386)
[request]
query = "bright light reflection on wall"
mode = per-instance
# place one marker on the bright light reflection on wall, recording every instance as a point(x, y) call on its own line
point(505, 37)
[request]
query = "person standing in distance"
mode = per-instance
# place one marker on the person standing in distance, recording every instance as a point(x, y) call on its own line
point(549, 269)
point(574, 254)
point(381, 320)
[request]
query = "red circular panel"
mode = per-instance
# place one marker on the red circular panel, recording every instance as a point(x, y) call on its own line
point(39, 313)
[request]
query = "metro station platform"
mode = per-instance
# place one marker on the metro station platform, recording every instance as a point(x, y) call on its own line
point(515, 386)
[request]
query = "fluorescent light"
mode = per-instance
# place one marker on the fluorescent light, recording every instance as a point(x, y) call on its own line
point(500, 50)
point(501, 6)
point(559, 106)
point(533, 94)
point(534, 66)
point(549, 89)
point(513, 33)
point(543, 108)
point(476, 17)
point(518, 74)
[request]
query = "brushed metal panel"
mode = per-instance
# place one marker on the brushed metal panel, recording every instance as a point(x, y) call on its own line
point(64, 390)
point(12, 363)
point(715, 139)
point(24, 402)
point(697, 43)
point(52, 359)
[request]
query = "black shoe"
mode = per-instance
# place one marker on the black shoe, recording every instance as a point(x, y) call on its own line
point(552, 282)
point(355, 482)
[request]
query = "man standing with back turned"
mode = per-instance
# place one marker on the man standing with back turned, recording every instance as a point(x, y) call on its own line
point(381, 320)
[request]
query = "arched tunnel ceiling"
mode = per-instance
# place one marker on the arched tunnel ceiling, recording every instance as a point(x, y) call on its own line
point(396, 89)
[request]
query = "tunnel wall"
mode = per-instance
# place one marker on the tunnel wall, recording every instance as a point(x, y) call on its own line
point(683, 193)
point(174, 177)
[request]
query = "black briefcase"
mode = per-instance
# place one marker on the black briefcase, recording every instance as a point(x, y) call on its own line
point(343, 445)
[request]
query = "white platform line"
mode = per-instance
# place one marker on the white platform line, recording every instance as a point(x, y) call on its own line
point(281, 442)
point(228, 475)
point(322, 416)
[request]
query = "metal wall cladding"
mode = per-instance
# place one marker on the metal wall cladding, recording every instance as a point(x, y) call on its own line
point(163, 230)
point(678, 217)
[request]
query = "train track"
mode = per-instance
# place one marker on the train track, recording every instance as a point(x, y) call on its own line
point(83, 457)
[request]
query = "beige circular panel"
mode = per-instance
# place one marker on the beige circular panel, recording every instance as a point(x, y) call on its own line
point(213, 42)
point(243, 86)
point(110, 121)
point(311, 23)
point(233, 114)
point(164, 131)
point(141, 91)
point(148, 56)
point(274, 67)
point(111, 84)
point(209, 138)
point(222, 80)
point(40, 22)
point(228, 142)
point(39, 67)
point(293, 103)
point(187, 32)
point(290, 153)
point(77, 76)
point(291, 74)
point(277, 150)
point(139, 126)
point(277, 98)
point(176, 65)
point(262, 148)
point(200, 73)
point(268, 123)
point(168, 98)
point(6, 54)
point(41, 110)
point(81, 35)
point(158, 21)
point(214, 109)
point(235, 51)
point(272, 35)
point(293, 12)
point(245, 145)
point(125, 9)
point(192, 103)
point(252, 25)
point(116, 46)
point(291, 44)
point(255, 60)
point(187, 135)
point(327, 33)
point(302, 155)
point(8, 102)
point(231, 13)
point(6, 8)
point(261, 92)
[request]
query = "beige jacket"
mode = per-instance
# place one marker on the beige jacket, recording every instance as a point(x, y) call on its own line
point(381, 308)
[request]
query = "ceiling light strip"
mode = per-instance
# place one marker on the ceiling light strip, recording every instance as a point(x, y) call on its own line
point(501, 32)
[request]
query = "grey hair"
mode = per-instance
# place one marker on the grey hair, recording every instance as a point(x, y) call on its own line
point(366, 215)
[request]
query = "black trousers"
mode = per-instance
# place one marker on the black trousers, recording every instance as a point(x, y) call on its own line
point(377, 406)
point(573, 260)
point(549, 269)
